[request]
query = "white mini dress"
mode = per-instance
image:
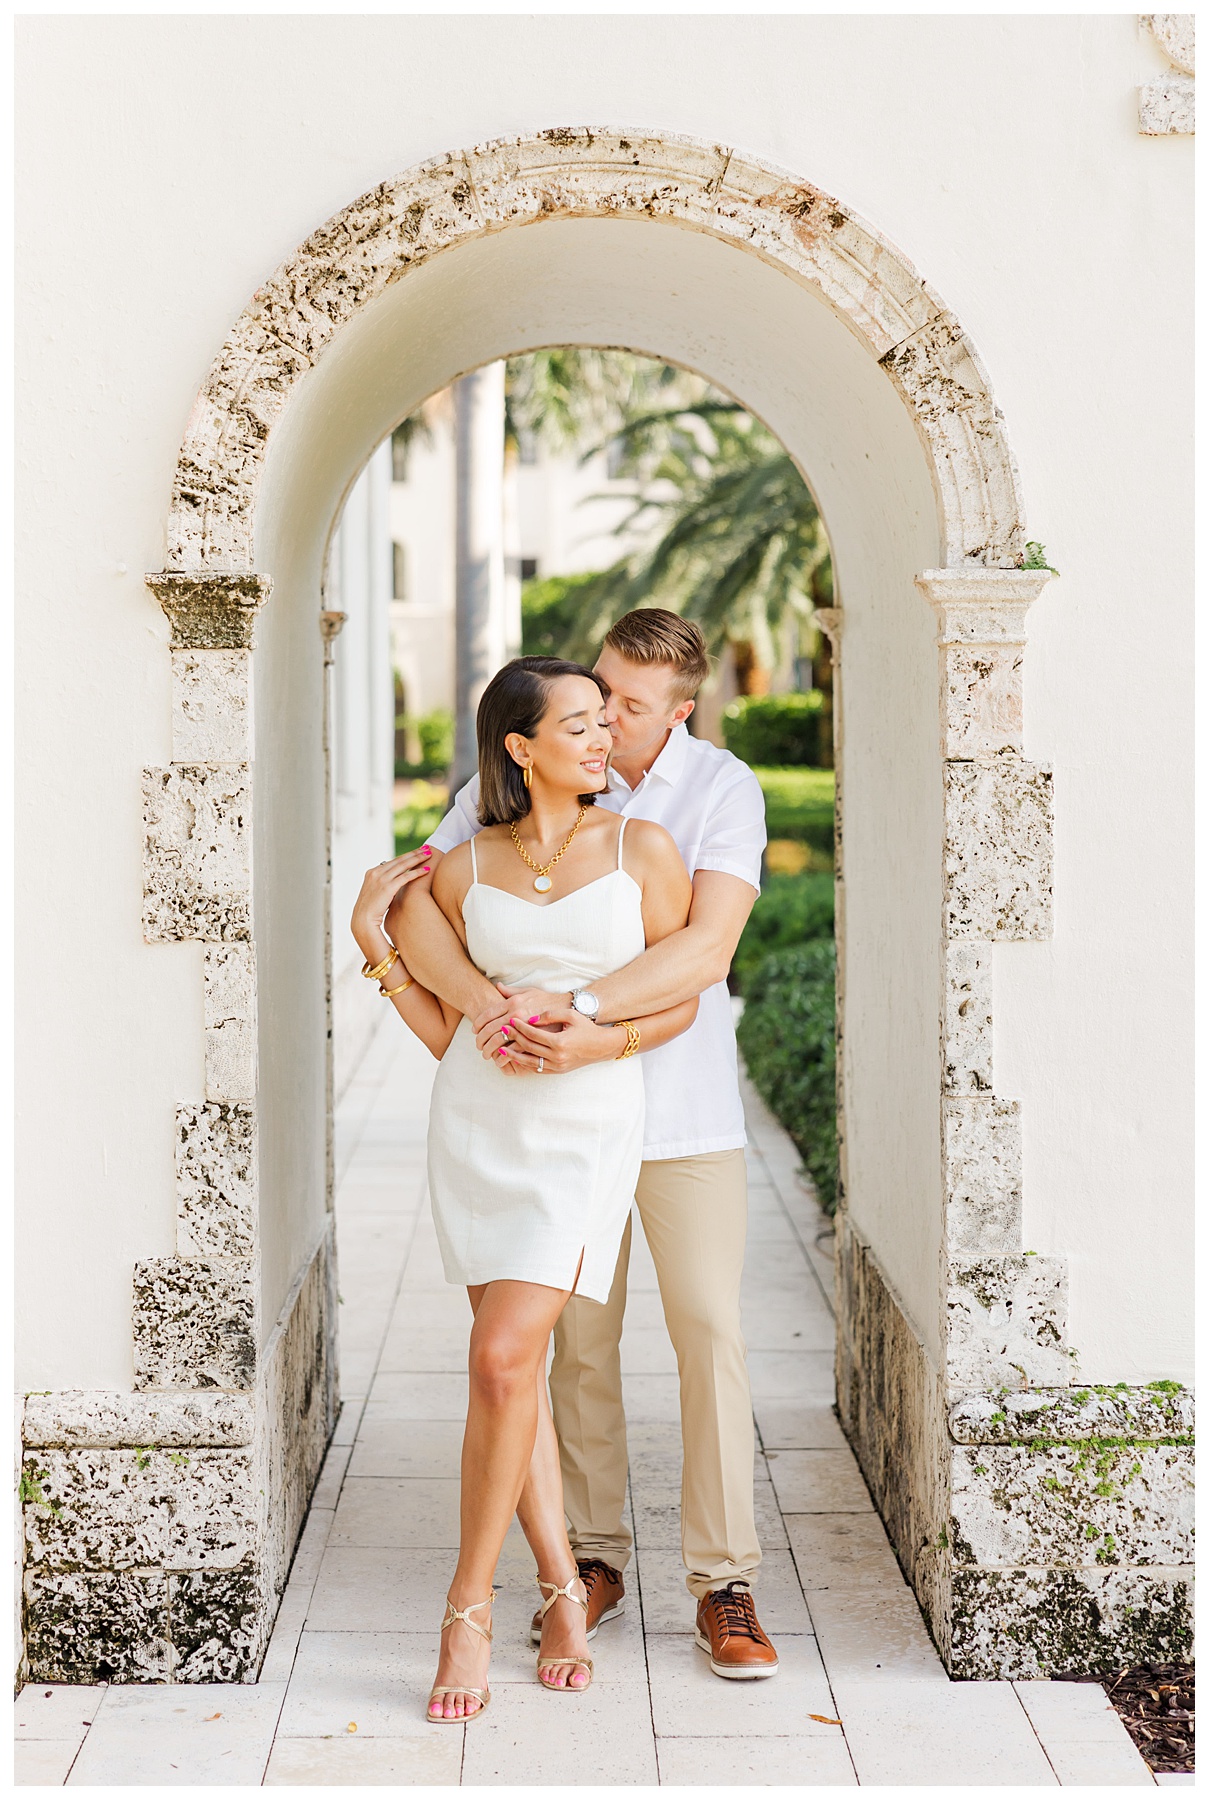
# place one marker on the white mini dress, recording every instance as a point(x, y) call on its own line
point(529, 1173)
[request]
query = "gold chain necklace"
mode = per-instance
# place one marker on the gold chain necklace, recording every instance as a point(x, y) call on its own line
point(541, 880)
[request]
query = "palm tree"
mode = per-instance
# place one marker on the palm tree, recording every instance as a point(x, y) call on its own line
point(736, 539)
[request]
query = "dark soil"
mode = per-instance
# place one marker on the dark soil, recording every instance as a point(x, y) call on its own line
point(1156, 1704)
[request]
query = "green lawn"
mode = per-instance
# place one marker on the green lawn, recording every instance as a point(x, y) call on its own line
point(800, 803)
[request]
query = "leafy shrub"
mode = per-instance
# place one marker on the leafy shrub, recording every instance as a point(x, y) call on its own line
point(415, 822)
point(435, 732)
point(552, 615)
point(778, 730)
point(792, 909)
point(800, 803)
point(787, 1036)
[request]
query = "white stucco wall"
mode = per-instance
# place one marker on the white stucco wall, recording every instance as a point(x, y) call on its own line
point(168, 164)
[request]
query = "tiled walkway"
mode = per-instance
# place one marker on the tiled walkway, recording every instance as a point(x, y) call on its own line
point(861, 1696)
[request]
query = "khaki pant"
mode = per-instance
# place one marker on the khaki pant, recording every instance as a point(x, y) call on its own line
point(694, 1215)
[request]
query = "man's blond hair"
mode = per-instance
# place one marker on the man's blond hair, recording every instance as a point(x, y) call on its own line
point(653, 636)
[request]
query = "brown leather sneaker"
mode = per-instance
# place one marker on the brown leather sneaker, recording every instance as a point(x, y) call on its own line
point(729, 1631)
point(606, 1596)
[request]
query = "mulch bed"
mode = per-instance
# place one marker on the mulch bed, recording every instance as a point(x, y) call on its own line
point(1156, 1704)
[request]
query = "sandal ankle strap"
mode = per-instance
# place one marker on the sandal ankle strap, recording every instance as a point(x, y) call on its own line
point(455, 1614)
point(560, 1593)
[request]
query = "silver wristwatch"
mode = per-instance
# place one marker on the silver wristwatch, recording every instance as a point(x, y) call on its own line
point(585, 1003)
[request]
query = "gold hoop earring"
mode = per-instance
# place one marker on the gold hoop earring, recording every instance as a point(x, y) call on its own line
point(528, 776)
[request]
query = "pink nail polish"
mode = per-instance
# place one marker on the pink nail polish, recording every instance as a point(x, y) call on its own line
point(534, 1019)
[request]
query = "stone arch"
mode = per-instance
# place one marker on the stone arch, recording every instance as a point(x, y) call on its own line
point(589, 173)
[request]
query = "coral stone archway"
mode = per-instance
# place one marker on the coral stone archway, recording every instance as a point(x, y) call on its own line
point(249, 1385)
point(584, 173)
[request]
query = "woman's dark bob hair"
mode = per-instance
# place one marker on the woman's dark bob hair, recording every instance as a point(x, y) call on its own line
point(516, 699)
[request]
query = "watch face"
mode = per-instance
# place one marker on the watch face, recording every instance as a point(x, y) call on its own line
point(587, 1004)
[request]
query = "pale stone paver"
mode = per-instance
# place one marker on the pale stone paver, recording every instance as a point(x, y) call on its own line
point(341, 1697)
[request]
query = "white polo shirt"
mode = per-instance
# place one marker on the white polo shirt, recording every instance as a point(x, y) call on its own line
point(713, 807)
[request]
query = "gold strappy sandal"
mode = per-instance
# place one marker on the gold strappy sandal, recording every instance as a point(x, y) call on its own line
point(482, 1695)
point(562, 1662)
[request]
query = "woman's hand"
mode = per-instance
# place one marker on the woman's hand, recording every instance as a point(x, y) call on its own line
point(570, 1042)
point(381, 884)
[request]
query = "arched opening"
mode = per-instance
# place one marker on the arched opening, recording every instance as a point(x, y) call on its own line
point(694, 300)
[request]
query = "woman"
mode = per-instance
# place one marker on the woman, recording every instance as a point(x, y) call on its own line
point(530, 1179)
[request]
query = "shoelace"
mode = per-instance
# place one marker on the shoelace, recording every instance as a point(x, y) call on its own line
point(738, 1611)
point(594, 1571)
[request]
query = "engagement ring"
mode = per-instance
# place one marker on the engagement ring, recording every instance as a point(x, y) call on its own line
point(541, 1063)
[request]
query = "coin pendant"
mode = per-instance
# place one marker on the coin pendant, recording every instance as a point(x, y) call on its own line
point(542, 883)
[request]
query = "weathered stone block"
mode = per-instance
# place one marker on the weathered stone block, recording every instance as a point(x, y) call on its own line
point(215, 1180)
point(982, 700)
point(210, 613)
point(998, 871)
point(1162, 1411)
point(1175, 33)
point(84, 1628)
point(1006, 1323)
point(1167, 107)
point(584, 170)
point(212, 706)
point(889, 1399)
point(194, 1324)
point(229, 1007)
point(981, 1152)
point(1018, 1624)
point(83, 1419)
point(147, 1507)
point(301, 1402)
point(965, 1019)
point(939, 375)
point(197, 853)
point(1072, 1505)
point(220, 1624)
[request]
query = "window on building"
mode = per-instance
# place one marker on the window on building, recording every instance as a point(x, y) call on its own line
point(614, 459)
point(526, 447)
point(400, 444)
point(528, 568)
point(399, 584)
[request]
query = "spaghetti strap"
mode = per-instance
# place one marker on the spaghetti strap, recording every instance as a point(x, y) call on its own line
point(474, 864)
point(620, 835)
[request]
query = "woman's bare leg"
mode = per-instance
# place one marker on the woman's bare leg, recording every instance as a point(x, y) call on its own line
point(512, 1325)
point(544, 1523)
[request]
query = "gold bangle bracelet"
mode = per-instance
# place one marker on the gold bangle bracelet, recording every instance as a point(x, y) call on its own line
point(633, 1037)
point(377, 973)
point(389, 993)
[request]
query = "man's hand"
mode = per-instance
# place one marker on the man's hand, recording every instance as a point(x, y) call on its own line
point(567, 1041)
point(533, 1005)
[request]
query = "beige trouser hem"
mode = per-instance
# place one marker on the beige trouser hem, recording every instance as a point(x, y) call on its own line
point(694, 1216)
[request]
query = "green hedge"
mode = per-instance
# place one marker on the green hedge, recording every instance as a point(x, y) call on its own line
point(787, 1036)
point(551, 614)
point(791, 910)
point(414, 824)
point(435, 732)
point(800, 803)
point(776, 729)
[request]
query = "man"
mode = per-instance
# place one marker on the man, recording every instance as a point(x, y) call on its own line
point(692, 1192)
